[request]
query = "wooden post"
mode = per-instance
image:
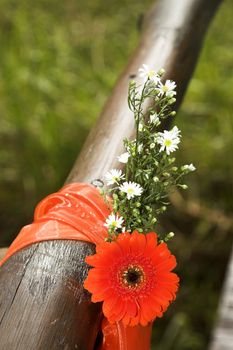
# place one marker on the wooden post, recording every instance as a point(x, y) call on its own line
point(42, 301)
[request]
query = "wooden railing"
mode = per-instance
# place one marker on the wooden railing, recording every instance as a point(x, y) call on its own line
point(43, 304)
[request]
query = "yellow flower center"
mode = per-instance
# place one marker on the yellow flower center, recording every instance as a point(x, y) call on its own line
point(165, 88)
point(114, 223)
point(167, 143)
point(130, 191)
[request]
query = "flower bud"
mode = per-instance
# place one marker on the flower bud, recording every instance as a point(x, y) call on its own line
point(172, 160)
point(135, 212)
point(166, 174)
point(172, 100)
point(170, 235)
point(161, 72)
point(184, 187)
point(148, 208)
point(152, 145)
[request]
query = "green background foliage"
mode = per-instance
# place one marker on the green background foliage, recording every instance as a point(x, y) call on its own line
point(58, 63)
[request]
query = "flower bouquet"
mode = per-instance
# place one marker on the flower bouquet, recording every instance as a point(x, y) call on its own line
point(132, 269)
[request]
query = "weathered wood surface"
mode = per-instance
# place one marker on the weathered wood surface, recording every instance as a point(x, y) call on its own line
point(45, 305)
point(223, 333)
point(42, 301)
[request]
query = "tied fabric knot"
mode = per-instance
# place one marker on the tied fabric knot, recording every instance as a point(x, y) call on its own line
point(78, 212)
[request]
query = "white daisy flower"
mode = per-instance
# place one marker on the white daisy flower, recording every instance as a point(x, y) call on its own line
point(123, 158)
point(167, 88)
point(189, 167)
point(169, 140)
point(147, 73)
point(114, 176)
point(154, 119)
point(114, 221)
point(132, 189)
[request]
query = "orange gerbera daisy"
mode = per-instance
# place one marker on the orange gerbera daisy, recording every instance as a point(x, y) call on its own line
point(132, 276)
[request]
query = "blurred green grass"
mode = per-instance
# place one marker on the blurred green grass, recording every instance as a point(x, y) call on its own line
point(58, 63)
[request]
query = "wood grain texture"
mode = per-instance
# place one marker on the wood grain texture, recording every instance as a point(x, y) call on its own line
point(45, 305)
point(42, 302)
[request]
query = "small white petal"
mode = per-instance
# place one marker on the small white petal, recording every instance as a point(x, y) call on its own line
point(154, 119)
point(123, 158)
point(147, 73)
point(140, 148)
point(114, 176)
point(189, 167)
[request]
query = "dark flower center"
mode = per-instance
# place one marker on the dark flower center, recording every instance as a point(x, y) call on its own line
point(133, 276)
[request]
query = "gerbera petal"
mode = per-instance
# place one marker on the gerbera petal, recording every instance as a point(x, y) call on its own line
point(95, 260)
point(167, 265)
point(168, 277)
point(151, 239)
point(123, 242)
point(137, 242)
point(127, 319)
point(160, 302)
point(161, 252)
point(132, 308)
point(169, 295)
point(120, 311)
point(110, 304)
point(147, 312)
point(151, 243)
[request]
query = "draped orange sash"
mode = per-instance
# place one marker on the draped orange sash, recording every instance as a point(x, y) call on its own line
point(78, 212)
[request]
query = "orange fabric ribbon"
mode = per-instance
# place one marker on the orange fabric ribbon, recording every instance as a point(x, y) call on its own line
point(78, 212)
